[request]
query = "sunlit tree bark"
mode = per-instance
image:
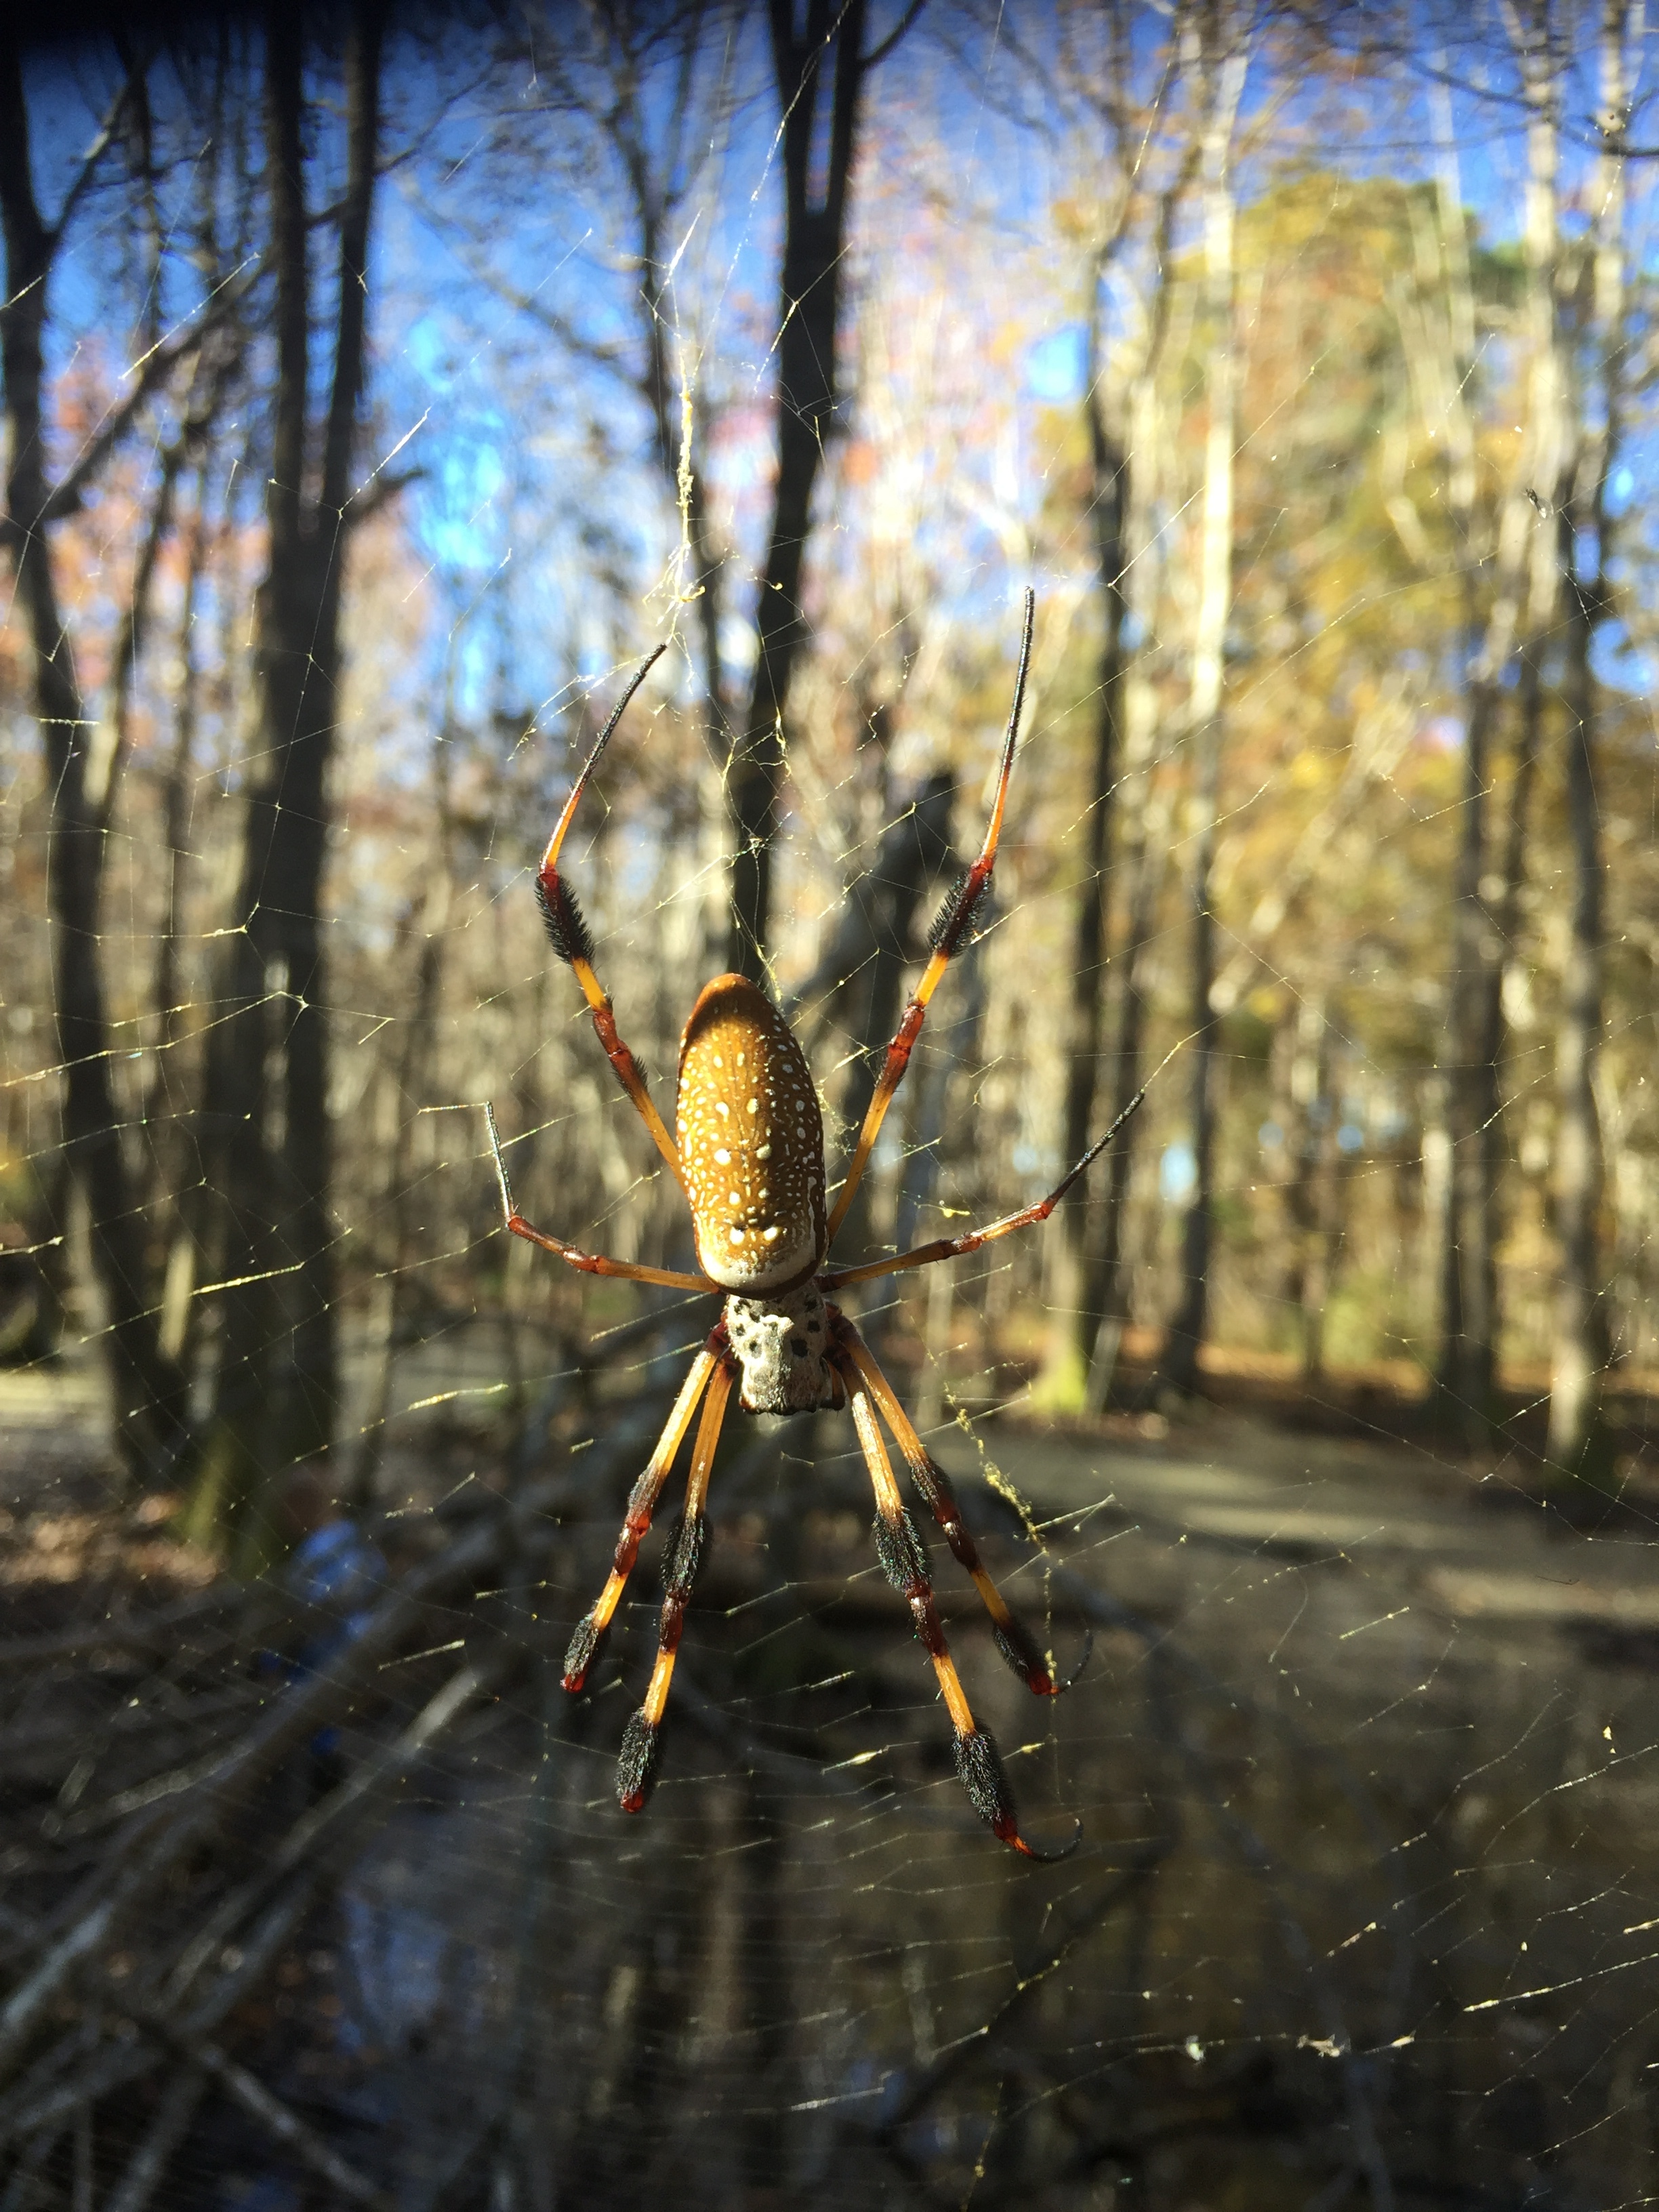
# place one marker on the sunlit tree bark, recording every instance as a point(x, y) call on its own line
point(1583, 533)
point(1076, 1285)
point(1519, 606)
point(1124, 457)
point(1222, 60)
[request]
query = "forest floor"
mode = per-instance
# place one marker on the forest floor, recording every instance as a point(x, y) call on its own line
point(1396, 1687)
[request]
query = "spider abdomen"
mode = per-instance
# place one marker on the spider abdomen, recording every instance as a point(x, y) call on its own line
point(750, 1142)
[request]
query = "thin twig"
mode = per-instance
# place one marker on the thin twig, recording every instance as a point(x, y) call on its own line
point(64, 497)
point(156, 1846)
point(118, 2063)
point(319, 1827)
point(279, 2119)
point(138, 1631)
point(147, 2167)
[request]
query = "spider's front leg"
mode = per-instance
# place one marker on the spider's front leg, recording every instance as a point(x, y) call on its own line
point(955, 1247)
point(951, 924)
point(904, 1563)
point(568, 934)
point(590, 1263)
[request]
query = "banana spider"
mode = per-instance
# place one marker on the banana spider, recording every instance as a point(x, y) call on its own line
point(749, 1157)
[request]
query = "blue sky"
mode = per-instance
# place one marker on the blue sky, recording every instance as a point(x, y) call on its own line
point(538, 483)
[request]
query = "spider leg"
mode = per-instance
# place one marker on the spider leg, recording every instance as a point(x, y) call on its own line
point(591, 1263)
point(571, 941)
point(949, 929)
point(951, 1247)
point(641, 1505)
point(905, 1565)
point(1013, 1639)
point(641, 1739)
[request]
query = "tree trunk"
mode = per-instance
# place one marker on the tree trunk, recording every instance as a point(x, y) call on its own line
point(151, 1423)
point(1225, 73)
point(1484, 910)
point(674, 416)
point(1077, 1324)
point(175, 811)
point(1311, 1134)
point(1133, 736)
point(860, 977)
point(278, 1385)
point(1577, 1438)
point(1142, 863)
point(407, 1079)
point(1580, 1348)
point(1469, 1286)
point(814, 247)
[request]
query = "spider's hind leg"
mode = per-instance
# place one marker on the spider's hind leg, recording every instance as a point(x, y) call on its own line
point(1013, 1639)
point(636, 1768)
point(590, 1263)
point(904, 1562)
point(641, 1505)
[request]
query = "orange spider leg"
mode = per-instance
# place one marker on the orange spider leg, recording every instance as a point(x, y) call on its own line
point(591, 1263)
point(642, 1738)
point(1013, 1639)
point(905, 1565)
point(641, 1505)
point(948, 931)
point(571, 941)
point(951, 1247)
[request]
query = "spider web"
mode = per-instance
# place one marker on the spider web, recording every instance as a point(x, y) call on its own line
point(1364, 1904)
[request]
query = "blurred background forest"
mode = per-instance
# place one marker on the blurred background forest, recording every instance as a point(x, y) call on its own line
point(380, 384)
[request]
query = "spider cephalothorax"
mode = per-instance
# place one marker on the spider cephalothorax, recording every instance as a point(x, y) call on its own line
point(782, 1344)
point(749, 1158)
